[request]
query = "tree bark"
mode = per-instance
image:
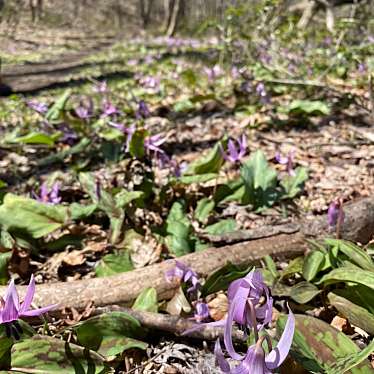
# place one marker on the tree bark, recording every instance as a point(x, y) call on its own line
point(125, 287)
point(173, 18)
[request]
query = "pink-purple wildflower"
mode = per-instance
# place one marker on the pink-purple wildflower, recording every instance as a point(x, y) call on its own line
point(335, 213)
point(50, 196)
point(287, 160)
point(11, 309)
point(236, 150)
point(182, 273)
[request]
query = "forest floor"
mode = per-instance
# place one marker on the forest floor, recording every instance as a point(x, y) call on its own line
point(325, 128)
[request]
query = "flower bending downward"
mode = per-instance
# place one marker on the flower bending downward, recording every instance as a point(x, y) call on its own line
point(183, 273)
point(251, 306)
point(11, 309)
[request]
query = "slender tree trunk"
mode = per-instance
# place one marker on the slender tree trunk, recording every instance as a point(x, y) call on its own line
point(174, 18)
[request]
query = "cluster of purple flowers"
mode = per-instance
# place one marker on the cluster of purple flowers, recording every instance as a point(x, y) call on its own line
point(335, 213)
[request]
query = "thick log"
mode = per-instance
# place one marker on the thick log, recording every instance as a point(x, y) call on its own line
point(125, 287)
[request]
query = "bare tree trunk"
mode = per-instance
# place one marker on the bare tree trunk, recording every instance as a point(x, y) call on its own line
point(174, 18)
point(145, 11)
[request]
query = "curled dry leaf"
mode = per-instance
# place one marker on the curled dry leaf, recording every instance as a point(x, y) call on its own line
point(218, 307)
point(74, 258)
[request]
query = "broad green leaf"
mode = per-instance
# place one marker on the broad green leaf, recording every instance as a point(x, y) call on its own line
point(347, 274)
point(35, 218)
point(5, 352)
point(35, 138)
point(114, 263)
point(356, 315)
point(198, 178)
point(210, 163)
point(358, 294)
point(47, 355)
point(221, 279)
point(317, 345)
point(79, 211)
point(303, 292)
point(6, 240)
point(353, 252)
point(271, 266)
point(294, 266)
point(293, 184)
point(260, 182)
point(204, 207)
point(111, 333)
point(342, 365)
point(179, 228)
point(56, 110)
point(4, 260)
point(177, 245)
point(313, 264)
point(308, 107)
point(222, 227)
point(147, 300)
point(183, 106)
point(125, 197)
point(136, 146)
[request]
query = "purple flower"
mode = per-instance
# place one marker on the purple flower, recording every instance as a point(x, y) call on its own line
point(129, 131)
point(68, 135)
point(201, 312)
point(153, 143)
point(150, 82)
point(261, 91)
point(287, 160)
point(182, 273)
point(39, 107)
point(101, 87)
point(49, 196)
point(85, 108)
point(11, 309)
point(213, 73)
point(233, 153)
point(108, 109)
point(142, 111)
point(335, 213)
point(256, 361)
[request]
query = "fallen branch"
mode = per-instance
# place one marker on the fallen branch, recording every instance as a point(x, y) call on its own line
point(125, 287)
point(173, 324)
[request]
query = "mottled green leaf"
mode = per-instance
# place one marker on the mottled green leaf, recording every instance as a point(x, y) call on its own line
point(348, 274)
point(114, 263)
point(147, 300)
point(125, 197)
point(210, 163)
point(313, 264)
point(342, 365)
point(260, 182)
point(110, 333)
point(293, 184)
point(204, 207)
point(4, 260)
point(221, 227)
point(47, 355)
point(294, 266)
point(35, 218)
point(356, 315)
point(136, 146)
point(198, 178)
point(303, 292)
point(308, 107)
point(79, 211)
point(35, 138)
point(221, 279)
point(56, 110)
point(317, 345)
point(353, 252)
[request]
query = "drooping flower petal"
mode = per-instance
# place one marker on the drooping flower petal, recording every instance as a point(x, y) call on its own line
point(253, 362)
point(201, 312)
point(276, 357)
point(29, 295)
point(222, 362)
